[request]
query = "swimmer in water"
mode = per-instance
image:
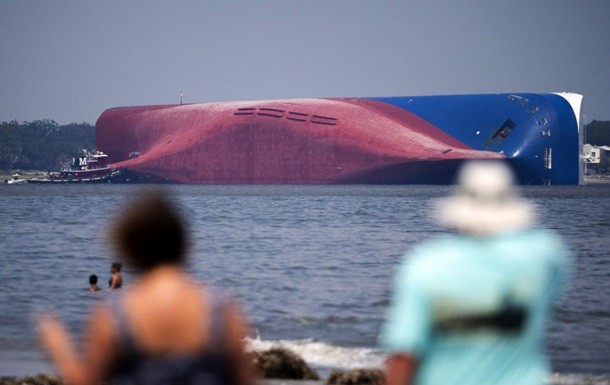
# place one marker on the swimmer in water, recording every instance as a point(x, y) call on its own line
point(93, 283)
point(116, 280)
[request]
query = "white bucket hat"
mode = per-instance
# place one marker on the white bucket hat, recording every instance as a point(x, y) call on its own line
point(485, 202)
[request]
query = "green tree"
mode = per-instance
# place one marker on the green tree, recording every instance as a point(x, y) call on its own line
point(11, 147)
point(604, 166)
point(598, 133)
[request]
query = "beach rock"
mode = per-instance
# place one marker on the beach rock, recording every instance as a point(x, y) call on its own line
point(356, 377)
point(40, 379)
point(282, 363)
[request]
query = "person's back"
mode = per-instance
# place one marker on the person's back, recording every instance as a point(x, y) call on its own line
point(171, 330)
point(486, 299)
point(471, 308)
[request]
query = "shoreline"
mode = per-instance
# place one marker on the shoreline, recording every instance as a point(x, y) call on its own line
point(20, 373)
point(603, 179)
point(552, 379)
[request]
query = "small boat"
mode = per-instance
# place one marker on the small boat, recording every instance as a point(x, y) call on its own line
point(85, 168)
point(16, 179)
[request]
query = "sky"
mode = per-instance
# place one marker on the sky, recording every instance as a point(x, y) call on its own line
point(69, 60)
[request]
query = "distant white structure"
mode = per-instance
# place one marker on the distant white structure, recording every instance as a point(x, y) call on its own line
point(594, 154)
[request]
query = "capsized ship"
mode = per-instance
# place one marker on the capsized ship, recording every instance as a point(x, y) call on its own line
point(380, 140)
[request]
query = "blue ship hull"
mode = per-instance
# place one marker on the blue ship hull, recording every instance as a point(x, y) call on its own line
point(539, 134)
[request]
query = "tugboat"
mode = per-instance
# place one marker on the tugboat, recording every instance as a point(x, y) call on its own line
point(87, 167)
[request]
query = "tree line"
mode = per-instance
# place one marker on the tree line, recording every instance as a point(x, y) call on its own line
point(42, 144)
point(45, 145)
point(597, 133)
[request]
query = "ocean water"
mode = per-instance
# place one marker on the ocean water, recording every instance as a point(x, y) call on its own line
point(311, 265)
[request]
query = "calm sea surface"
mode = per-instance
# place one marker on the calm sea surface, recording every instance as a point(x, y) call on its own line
point(312, 265)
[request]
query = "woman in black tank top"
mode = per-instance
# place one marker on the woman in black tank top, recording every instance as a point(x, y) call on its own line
point(167, 328)
point(116, 280)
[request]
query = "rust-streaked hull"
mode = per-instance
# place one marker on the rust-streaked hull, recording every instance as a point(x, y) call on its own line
point(312, 141)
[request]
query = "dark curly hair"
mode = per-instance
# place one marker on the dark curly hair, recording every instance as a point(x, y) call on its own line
point(150, 233)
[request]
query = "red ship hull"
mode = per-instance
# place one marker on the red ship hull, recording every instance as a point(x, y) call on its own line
point(310, 141)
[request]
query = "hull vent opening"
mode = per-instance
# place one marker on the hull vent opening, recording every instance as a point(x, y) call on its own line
point(548, 157)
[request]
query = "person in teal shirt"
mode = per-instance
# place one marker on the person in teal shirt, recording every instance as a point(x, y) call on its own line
point(472, 307)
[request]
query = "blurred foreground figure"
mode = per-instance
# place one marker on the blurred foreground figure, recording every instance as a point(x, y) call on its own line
point(472, 308)
point(166, 328)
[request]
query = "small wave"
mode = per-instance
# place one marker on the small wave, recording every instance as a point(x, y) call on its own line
point(577, 379)
point(304, 320)
point(382, 303)
point(361, 211)
point(324, 355)
point(329, 320)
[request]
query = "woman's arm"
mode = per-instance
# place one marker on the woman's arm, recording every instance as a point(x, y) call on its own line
point(99, 348)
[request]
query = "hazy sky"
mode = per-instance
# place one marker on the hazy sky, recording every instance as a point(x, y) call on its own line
point(70, 60)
